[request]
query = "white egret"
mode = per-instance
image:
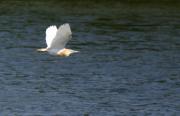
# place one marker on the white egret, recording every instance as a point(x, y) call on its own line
point(56, 39)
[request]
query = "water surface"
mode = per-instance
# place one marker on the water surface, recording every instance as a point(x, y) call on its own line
point(129, 60)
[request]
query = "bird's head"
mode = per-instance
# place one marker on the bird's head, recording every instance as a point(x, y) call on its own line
point(66, 52)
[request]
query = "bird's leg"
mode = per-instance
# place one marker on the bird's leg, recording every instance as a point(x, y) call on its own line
point(42, 50)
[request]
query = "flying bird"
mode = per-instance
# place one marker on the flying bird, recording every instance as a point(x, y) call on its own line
point(56, 40)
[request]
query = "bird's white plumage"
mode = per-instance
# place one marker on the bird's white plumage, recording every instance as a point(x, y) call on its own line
point(50, 35)
point(57, 41)
point(63, 35)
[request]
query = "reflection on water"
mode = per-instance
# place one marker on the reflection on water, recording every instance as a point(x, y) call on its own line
point(128, 65)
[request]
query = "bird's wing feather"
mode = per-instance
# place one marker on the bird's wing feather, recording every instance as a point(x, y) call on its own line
point(63, 35)
point(50, 34)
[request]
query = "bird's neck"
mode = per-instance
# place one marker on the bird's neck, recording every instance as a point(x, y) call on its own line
point(64, 52)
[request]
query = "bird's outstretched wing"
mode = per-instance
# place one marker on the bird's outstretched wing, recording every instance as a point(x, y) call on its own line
point(50, 35)
point(63, 35)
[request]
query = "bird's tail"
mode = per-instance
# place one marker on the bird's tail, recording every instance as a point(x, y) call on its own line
point(42, 50)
